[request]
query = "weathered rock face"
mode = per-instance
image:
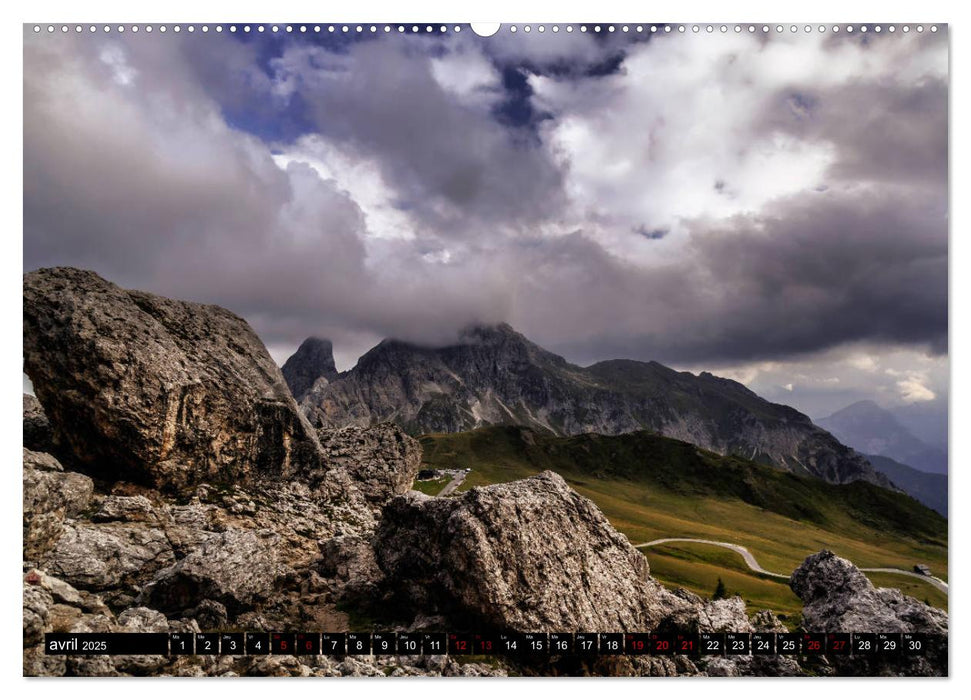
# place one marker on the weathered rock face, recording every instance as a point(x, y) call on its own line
point(350, 562)
point(382, 460)
point(37, 429)
point(149, 389)
point(312, 360)
point(838, 597)
point(529, 555)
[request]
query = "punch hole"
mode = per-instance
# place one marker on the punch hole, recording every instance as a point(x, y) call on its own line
point(485, 29)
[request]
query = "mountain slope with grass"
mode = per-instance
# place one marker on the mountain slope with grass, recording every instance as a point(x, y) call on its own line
point(652, 487)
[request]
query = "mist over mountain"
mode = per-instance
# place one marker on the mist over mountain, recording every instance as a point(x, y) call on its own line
point(873, 430)
point(495, 376)
point(927, 420)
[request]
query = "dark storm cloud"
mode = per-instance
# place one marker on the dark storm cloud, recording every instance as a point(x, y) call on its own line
point(823, 270)
point(808, 274)
point(882, 132)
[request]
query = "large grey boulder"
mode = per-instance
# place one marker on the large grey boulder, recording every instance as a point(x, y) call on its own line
point(164, 392)
point(838, 597)
point(103, 557)
point(527, 555)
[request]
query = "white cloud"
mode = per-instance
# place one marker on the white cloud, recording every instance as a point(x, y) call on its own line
point(357, 175)
point(912, 390)
point(466, 73)
point(679, 132)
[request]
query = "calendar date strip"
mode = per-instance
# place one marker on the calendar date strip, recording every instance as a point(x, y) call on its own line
point(499, 644)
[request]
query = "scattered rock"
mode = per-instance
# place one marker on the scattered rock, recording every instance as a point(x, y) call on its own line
point(689, 612)
point(107, 556)
point(49, 495)
point(237, 568)
point(767, 621)
point(143, 620)
point(37, 663)
point(63, 592)
point(210, 615)
point(41, 461)
point(149, 389)
point(130, 509)
point(735, 666)
point(37, 605)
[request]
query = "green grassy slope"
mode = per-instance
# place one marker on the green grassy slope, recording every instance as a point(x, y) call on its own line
point(652, 487)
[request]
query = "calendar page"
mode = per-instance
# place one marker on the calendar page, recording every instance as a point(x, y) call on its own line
point(445, 349)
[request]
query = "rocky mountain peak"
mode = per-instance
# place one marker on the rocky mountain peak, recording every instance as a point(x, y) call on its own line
point(498, 332)
point(312, 360)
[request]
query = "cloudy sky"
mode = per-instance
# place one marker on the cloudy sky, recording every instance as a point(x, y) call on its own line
point(771, 208)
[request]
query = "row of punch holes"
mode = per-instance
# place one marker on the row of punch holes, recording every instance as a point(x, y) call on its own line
point(513, 28)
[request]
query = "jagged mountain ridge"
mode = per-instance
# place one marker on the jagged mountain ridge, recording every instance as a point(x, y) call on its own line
point(496, 376)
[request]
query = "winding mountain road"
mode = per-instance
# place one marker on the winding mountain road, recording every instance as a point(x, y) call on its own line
point(754, 565)
point(456, 481)
point(933, 580)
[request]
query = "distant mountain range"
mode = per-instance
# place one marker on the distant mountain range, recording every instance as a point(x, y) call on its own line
point(495, 376)
point(929, 489)
point(873, 430)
